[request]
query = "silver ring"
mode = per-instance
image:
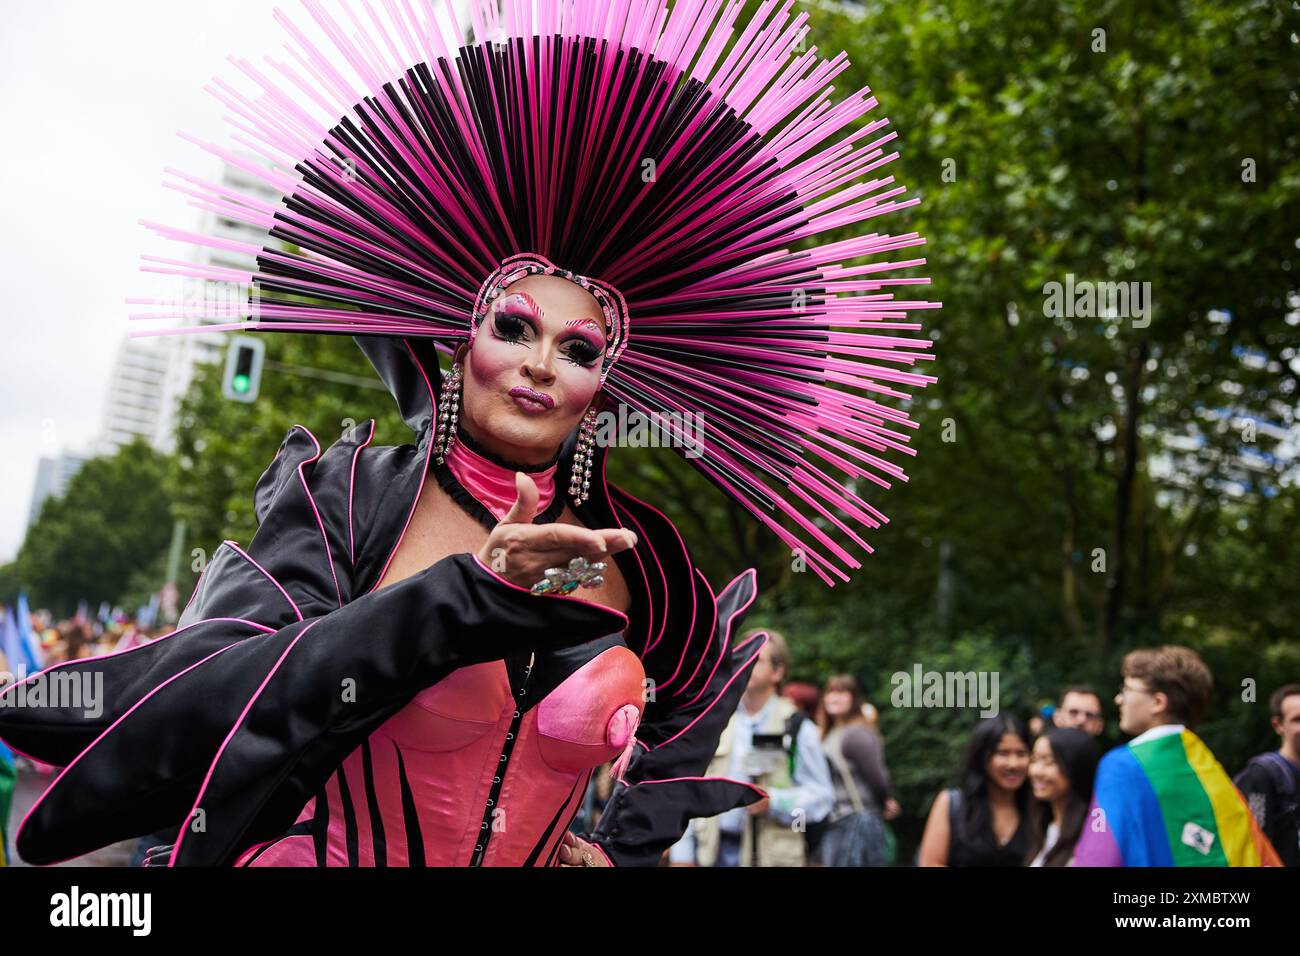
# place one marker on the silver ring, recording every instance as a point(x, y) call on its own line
point(579, 573)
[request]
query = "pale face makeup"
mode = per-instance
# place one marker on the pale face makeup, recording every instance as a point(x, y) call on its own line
point(534, 368)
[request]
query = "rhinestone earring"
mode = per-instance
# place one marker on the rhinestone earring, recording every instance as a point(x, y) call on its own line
point(448, 414)
point(580, 476)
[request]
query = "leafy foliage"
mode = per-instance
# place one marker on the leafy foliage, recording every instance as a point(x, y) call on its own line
point(113, 518)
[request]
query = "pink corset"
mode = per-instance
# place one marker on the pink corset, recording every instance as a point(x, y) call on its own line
point(421, 787)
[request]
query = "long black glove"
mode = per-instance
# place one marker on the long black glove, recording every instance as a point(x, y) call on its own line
point(238, 742)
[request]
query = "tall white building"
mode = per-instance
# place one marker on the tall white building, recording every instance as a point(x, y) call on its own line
point(134, 407)
point(152, 374)
point(52, 477)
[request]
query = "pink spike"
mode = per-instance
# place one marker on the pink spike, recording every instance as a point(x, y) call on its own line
point(794, 346)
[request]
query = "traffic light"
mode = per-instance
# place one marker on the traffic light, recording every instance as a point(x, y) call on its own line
point(243, 378)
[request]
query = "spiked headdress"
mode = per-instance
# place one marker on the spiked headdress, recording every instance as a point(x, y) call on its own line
point(698, 177)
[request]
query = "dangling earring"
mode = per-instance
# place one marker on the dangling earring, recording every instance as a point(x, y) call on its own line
point(580, 476)
point(448, 414)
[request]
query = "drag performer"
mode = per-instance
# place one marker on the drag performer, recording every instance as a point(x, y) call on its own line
point(427, 650)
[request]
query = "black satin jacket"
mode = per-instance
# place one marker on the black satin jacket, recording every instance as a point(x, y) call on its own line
point(234, 722)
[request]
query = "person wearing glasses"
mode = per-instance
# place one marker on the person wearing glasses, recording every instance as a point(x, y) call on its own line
point(1163, 799)
point(1080, 707)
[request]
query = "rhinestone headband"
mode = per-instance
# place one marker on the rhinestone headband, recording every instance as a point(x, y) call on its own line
point(513, 268)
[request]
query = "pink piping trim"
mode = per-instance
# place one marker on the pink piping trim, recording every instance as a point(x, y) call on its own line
point(109, 730)
point(602, 853)
point(99, 657)
point(725, 651)
point(650, 613)
point(199, 583)
point(686, 554)
point(247, 557)
point(171, 861)
point(243, 857)
point(726, 639)
point(329, 558)
point(703, 656)
point(663, 577)
point(743, 783)
point(352, 485)
point(676, 779)
point(419, 492)
point(22, 753)
point(716, 698)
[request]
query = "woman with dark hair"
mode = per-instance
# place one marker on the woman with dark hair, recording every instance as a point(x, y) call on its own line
point(856, 834)
point(985, 821)
point(1061, 769)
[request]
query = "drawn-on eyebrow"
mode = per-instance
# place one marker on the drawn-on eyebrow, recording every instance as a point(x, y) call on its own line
point(530, 312)
point(587, 324)
point(531, 302)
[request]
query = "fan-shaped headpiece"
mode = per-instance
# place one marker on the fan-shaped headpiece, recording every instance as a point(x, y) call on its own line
point(701, 179)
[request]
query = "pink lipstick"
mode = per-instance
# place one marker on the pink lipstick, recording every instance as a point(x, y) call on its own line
point(531, 400)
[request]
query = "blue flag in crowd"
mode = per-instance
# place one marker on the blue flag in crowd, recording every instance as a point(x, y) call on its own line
point(29, 635)
point(15, 650)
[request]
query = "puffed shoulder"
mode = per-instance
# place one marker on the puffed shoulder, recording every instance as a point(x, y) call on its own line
point(328, 521)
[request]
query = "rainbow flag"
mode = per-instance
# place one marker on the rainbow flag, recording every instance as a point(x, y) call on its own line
point(1165, 800)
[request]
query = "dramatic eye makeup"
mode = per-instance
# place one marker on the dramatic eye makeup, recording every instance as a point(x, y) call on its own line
point(517, 319)
point(512, 326)
point(584, 344)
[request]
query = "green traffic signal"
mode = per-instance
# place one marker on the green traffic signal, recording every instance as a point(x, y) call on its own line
point(243, 369)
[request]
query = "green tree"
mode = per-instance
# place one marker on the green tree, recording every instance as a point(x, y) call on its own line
point(322, 382)
point(114, 518)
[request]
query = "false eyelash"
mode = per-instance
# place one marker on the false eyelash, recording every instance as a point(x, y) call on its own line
point(583, 354)
point(509, 328)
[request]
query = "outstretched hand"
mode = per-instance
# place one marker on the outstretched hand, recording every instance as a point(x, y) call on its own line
point(521, 551)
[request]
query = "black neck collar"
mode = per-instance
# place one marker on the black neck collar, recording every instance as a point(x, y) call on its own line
point(476, 448)
point(476, 509)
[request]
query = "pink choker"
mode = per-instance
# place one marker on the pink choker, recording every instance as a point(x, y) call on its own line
point(494, 485)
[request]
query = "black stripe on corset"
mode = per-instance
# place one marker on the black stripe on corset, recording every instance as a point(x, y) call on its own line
point(378, 844)
point(555, 850)
point(320, 829)
point(410, 819)
point(349, 817)
point(550, 827)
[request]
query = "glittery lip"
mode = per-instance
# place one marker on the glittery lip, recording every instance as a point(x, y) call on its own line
point(524, 392)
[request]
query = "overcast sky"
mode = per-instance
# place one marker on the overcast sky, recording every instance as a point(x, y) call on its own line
point(91, 96)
